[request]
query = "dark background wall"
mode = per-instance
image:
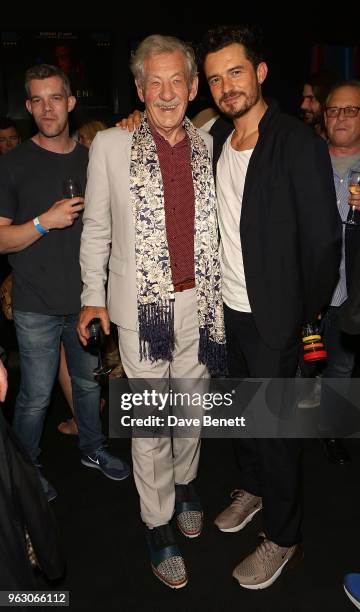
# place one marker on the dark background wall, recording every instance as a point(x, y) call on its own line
point(289, 37)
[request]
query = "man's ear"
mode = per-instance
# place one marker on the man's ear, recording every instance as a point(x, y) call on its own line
point(139, 91)
point(71, 103)
point(261, 72)
point(194, 88)
point(28, 106)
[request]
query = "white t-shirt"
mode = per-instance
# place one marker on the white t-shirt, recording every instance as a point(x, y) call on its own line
point(230, 179)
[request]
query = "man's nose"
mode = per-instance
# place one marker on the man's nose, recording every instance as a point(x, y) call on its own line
point(341, 114)
point(167, 92)
point(305, 104)
point(227, 84)
point(47, 105)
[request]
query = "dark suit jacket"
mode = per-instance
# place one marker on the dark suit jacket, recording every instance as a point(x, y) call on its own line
point(23, 504)
point(290, 228)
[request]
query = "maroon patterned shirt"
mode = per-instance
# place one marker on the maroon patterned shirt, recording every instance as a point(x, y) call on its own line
point(175, 166)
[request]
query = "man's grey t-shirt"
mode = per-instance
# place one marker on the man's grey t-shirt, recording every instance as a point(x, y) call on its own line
point(46, 274)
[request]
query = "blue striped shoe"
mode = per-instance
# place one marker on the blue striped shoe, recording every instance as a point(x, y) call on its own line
point(167, 562)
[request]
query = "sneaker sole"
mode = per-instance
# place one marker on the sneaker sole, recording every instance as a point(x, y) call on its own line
point(308, 405)
point(352, 599)
point(288, 564)
point(242, 525)
point(97, 467)
point(172, 585)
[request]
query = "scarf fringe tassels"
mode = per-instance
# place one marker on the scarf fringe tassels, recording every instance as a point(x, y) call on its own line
point(156, 331)
point(212, 354)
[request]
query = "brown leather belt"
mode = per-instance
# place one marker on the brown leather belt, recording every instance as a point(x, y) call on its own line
point(188, 284)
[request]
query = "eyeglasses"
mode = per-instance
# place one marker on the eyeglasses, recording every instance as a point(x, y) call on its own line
point(349, 111)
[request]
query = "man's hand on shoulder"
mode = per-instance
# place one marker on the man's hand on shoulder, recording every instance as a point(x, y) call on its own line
point(87, 313)
point(132, 121)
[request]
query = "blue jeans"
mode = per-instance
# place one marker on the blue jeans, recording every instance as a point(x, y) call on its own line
point(39, 338)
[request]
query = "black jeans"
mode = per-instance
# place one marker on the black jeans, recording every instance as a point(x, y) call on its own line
point(270, 468)
point(341, 349)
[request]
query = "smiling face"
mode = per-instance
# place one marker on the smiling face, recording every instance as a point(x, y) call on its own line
point(166, 90)
point(49, 105)
point(234, 82)
point(344, 132)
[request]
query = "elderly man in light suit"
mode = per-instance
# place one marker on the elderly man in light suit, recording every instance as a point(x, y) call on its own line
point(150, 200)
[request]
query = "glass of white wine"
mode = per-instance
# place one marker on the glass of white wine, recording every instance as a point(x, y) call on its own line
point(354, 188)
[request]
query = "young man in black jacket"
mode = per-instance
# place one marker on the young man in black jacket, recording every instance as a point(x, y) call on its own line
point(280, 249)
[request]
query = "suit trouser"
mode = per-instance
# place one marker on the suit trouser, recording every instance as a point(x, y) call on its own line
point(270, 468)
point(339, 365)
point(161, 462)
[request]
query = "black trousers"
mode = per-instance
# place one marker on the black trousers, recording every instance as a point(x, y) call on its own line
point(270, 468)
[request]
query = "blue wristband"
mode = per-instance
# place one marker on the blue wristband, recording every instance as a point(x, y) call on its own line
point(39, 227)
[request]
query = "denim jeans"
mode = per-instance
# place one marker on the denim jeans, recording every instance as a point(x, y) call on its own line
point(39, 338)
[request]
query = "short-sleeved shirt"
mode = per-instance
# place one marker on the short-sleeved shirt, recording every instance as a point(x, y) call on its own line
point(46, 274)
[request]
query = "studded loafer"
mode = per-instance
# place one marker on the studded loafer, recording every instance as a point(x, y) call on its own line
point(188, 511)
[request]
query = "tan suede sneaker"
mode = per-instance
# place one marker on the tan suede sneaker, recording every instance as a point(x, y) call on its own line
point(262, 567)
point(240, 512)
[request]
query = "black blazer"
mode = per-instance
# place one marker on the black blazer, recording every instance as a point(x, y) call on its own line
point(23, 504)
point(290, 228)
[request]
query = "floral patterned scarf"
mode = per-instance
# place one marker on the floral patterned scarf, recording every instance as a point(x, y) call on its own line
point(155, 290)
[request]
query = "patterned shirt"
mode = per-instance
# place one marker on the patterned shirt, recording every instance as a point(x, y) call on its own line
point(176, 172)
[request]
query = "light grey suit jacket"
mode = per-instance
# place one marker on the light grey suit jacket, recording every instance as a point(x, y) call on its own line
point(108, 237)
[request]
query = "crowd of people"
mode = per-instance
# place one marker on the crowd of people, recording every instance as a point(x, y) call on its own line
point(142, 251)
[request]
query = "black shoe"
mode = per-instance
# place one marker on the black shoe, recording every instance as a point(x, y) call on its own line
point(336, 451)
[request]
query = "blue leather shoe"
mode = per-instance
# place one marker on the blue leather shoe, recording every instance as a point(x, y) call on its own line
point(352, 588)
point(188, 510)
point(167, 562)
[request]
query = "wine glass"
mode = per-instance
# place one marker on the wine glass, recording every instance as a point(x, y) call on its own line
point(354, 188)
point(72, 188)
